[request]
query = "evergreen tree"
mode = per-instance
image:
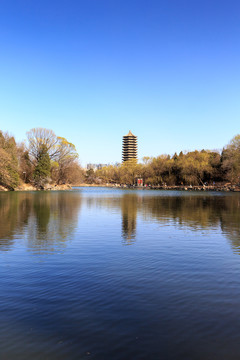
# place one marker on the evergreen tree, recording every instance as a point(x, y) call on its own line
point(41, 173)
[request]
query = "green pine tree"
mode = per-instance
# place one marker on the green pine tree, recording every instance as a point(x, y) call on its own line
point(43, 167)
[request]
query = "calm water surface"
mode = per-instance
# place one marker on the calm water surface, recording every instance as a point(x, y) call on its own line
point(116, 274)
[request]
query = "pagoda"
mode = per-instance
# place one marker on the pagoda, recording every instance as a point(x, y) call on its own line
point(129, 147)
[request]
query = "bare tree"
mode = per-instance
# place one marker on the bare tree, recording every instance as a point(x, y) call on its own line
point(39, 137)
point(61, 152)
point(65, 157)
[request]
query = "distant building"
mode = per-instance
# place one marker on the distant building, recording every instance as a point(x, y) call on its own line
point(129, 147)
point(95, 166)
point(100, 166)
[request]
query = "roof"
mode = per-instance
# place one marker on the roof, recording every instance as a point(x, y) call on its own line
point(130, 133)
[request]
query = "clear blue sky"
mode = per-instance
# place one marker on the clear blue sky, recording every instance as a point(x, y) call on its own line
point(92, 70)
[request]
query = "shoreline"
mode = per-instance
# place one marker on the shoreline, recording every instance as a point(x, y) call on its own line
point(65, 187)
point(28, 187)
point(217, 188)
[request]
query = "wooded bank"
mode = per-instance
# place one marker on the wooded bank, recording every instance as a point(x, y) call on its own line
point(46, 160)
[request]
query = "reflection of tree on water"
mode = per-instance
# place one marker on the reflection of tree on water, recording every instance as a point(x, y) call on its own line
point(198, 212)
point(230, 221)
point(14, 214)
point(55, 218)
point(46, 219)
point(194, 211)
point(41, 207)
point(129, 207)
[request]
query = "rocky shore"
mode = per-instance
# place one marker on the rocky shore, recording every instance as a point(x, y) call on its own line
point(47, 187)
point(223, 187)
point(55, 187)
point(226, 188)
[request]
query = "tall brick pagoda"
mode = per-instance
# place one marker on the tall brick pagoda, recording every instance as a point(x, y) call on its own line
point(129, 147)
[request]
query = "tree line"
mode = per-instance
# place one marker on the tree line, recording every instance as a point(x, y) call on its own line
point(190, 168)
point(43, 158)
point(47, 158)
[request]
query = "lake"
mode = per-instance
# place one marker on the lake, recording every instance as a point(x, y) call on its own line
point(99, 273)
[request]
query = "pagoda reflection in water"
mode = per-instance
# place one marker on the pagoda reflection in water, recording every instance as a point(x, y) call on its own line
point(129, 207)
